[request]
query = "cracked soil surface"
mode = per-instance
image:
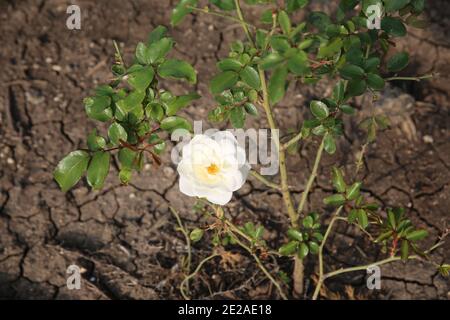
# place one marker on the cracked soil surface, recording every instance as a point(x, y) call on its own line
point(124, 237)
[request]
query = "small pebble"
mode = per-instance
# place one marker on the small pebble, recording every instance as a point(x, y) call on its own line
point(428, 139)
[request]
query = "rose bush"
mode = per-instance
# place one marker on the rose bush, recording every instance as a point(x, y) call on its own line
point(278, 51)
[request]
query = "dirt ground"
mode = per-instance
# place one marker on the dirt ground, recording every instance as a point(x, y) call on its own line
point(124, 236)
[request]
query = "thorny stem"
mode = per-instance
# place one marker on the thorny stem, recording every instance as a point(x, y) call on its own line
point(188, 244)
point(311, 178)
point(193, 274)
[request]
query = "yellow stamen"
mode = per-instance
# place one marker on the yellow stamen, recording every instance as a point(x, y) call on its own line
point(213, 169)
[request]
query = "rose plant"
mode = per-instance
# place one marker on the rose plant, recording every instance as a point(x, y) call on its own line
point(252, 80)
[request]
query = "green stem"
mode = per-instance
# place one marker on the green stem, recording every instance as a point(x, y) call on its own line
point(320, 255)
point(295, 139)
point(311, 178)
point(427, 76)
point(242, 21)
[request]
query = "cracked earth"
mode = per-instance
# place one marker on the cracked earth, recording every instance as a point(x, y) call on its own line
point(124, 237)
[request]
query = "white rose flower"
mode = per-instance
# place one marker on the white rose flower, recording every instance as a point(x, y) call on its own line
point(212, 167)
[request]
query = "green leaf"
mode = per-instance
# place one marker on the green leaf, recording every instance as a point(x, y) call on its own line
point(157, 34)
point(223, 81)
point(175, 122)
point(395, 5)
point(98, 169)
point(177, 69)
point(319, 109)
point(250, 108)
point(295, 235)
point(293, 5)
point(237, 117)
point(196, 234)
point(95, 142)
point(313, 247)
point(383, 236)
point(298, 64)
point(318, 236)
point(398, 62)
point(330, 48)
point(339, 91)
point(350, 71)
point(155, 111)
point(129, 159)
point(226, 5)
point(279, 43)
point(141, 78)
point(159, 49)
point(393, 26)
point(277, 84)
point(125, 175)
point(97, 104)
point(375, 81)
point(181, 10)
point(70, 169)
point(229, 64)
point(303, 250)
point(289, 248)
point(284, 21)
point(308, 222)
point(404, 250)
point(334, 200)
point(319, 20)
point(251, 77)
point(345, 108)
point(356, 87)
point(338, 180)
point(417, 235)
point(362, 218)
point(180, 102)
point(329, 144)
point(142, 53)
point(116, 133)
point(353, 191)
point(271, 60)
